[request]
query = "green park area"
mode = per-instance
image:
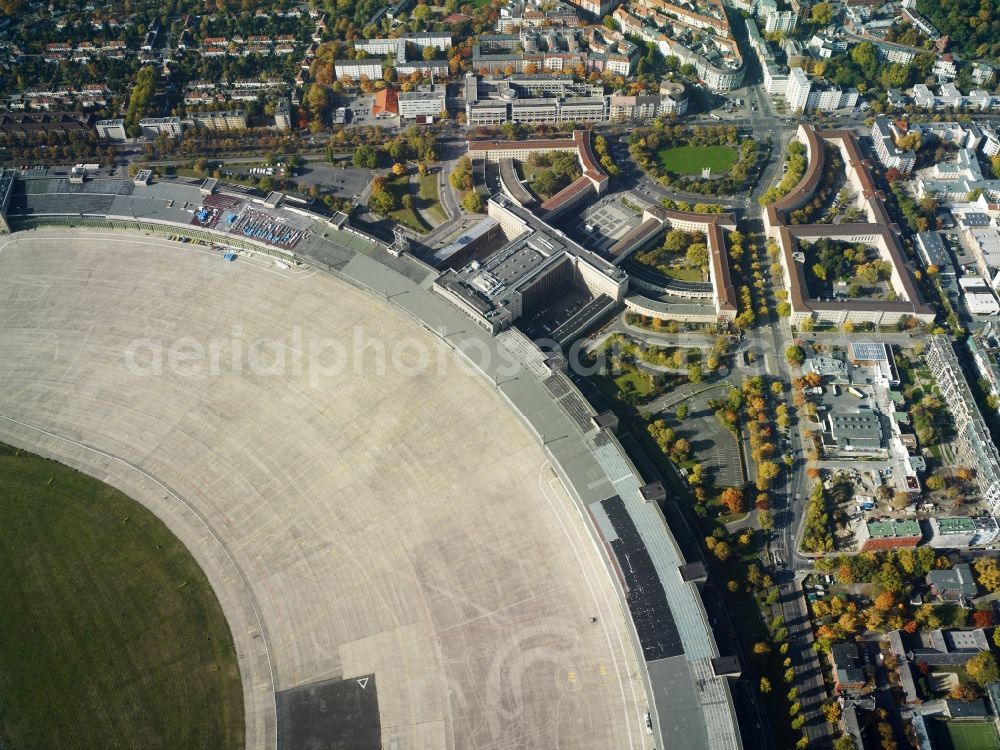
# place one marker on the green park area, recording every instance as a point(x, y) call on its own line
point(548, 173)
point(430, 200)
point(964, 735)
point(112, 635)
point(682, 256)
point(405, 211)
point(690, 160)
point(631, 384)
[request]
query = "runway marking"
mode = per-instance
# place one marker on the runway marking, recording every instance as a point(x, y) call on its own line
point(246, 586)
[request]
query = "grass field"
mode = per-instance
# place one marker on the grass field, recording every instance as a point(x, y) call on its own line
point(112, 635)
point(684, 274)
point(955, 735)
point(692, 159)
point(400, 186)
point(630, 381)
point(429, 199)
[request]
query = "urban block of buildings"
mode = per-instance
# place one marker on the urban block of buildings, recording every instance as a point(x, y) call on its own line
point(555, 49)
point(975, 446)
point(878, 232)
point(535, 99)
point(697, 34)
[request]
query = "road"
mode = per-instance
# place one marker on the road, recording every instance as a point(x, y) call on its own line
point(769, 338)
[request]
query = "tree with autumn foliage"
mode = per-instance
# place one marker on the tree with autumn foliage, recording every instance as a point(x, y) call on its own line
point(983, 668)
point(964, 693)
point(885, 600)
point(988, 573)
point(722, 551)
point(982, 618)
point(732, 498)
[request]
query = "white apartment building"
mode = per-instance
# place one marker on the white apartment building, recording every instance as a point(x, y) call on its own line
point(233, 120)
point(895, 53)
point(775, 82)
point(110, 130)
point(950, 96)
point(983, 74)
point(424, 67)
point(644, 106)
point(982, 100)
point(775, 78)
point(781, 21)
point(673, 98)
point(370, 68)
point(975, 446)
point(598, 8)
point(151, 127)
point(884, 138)
point(991, 140)
point(439, 41)
point(923, 97)
point(805, 95)
point(944, 68)
point(283, 114)
point(797, 93)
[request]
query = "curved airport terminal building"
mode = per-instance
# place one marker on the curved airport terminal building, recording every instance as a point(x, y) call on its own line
point(422, 534)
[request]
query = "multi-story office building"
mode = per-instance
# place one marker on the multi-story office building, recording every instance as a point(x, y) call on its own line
point(513, 100)
point(427, 103)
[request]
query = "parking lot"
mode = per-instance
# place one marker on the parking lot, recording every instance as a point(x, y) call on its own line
point(346, 182)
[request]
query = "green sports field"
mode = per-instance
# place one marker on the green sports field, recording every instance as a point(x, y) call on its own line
point(964, 735)
point(111, 634)
point(692, 159)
